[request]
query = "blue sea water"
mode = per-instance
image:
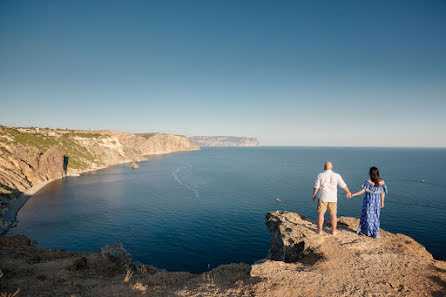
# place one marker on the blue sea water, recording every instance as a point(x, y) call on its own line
point(193, 210)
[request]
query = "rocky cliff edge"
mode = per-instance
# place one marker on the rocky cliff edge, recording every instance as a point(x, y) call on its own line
point(300, 263)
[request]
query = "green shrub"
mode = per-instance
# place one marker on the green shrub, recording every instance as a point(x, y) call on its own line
point(38, 140)
point(85, 134)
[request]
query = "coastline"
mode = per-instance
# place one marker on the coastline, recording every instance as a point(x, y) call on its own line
point(10, 216)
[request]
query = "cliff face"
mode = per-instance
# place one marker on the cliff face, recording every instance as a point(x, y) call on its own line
point(224, 141)
point(21, 167)
point(154, 143)
point(29, 156)
point(301, 263)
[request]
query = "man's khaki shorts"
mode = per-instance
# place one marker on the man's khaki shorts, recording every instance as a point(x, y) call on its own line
point(322, 207)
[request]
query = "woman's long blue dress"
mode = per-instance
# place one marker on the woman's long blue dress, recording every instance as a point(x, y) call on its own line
point(371, 207)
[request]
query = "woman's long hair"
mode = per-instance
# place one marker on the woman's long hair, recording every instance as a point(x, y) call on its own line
point(374, 175)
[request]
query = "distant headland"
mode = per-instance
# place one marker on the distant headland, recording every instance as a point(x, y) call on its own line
point(224, 141)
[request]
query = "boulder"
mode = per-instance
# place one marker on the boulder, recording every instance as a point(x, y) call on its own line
point(293, 237)
point(116, 252)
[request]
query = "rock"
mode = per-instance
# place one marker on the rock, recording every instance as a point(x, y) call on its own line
point(230, 273)
point(140, 268)
point(80, 264)
point(116, 252)
point(134, 166)
point(116, 260)
point(291, 237)
point(294, 238)
point(347, 264)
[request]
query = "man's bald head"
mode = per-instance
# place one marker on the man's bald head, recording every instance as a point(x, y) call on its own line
point(328, 165)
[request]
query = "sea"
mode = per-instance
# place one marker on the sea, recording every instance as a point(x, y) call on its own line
point(192, 211)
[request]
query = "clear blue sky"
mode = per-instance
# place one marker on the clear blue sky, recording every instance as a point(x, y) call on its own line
point(289, 72)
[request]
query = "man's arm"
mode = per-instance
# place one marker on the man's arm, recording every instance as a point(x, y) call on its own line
point(317, 184)
point(349, 195)
point(343, 185)
point(314, 193)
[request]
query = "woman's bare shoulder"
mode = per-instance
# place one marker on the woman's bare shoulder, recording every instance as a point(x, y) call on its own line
point(381, 182)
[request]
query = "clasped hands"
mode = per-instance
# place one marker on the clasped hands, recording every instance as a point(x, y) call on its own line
point(348, 195)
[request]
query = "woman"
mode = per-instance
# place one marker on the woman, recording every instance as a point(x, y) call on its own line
point(375, 191)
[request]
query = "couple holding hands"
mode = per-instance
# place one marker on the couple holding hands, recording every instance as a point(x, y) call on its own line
point(325, 189)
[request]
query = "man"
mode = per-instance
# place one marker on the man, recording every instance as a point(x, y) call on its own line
point(327, 184)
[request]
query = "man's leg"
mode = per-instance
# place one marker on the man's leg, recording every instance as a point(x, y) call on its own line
point(333, 209)
point(334, 222)
point(321, 209)
point(320, 221)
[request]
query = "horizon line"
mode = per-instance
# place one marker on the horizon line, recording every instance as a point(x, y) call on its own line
point(324, 146)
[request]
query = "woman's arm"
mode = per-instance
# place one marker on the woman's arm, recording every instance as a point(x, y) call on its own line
point(358, 193)
point(383, 195)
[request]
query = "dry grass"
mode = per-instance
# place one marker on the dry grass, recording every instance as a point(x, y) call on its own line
point(128, 276)
point(5, 294)
point(209, 277)
point(139, 287)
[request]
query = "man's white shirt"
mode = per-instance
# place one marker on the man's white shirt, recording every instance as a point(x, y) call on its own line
point(327, 182)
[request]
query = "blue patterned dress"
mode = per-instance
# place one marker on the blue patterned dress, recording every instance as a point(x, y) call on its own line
point(369, 224)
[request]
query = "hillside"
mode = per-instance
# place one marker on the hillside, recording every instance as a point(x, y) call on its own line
point(224, 141)
point(31, 156)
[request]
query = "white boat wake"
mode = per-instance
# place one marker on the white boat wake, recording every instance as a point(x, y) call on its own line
point(178, 179)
